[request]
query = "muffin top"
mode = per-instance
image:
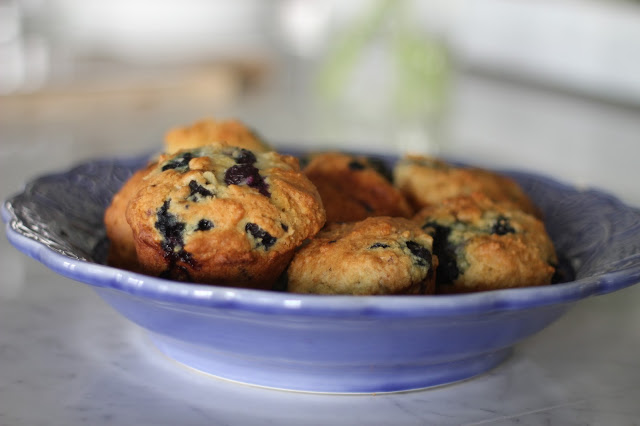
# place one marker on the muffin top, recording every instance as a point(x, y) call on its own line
point(379, 255)
point(427, 181)
point(484, 245)
point(204, 208)
point(353, 187)
point(213, 132)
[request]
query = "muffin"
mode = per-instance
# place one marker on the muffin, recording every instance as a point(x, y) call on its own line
point(213, 132)
point(122, 250)
point(379, 255)
point(353, 188)
point(223, 215)
point(428, 181)
point(484, 245)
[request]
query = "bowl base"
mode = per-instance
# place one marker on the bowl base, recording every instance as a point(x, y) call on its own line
point(325, 378)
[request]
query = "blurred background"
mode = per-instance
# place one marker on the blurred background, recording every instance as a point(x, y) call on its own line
point(547, 86)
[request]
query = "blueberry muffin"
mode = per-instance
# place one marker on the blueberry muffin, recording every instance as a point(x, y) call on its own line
point(428, 181)
point(353, 188)
point(484, 245)
point(379, 255)
point(122, 250)
point(223, 215)
point(213, 132)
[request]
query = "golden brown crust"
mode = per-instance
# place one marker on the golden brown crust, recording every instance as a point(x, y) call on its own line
point(352, 190)
point(213, 132)
point(122, 251)
point(428, 181)
point(484, 245)
point(251, 231)
point(380, 255)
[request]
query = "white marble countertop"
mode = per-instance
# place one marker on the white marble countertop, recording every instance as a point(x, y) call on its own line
point(66, 358)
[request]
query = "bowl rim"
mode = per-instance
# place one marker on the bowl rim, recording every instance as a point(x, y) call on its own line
point(282, 303)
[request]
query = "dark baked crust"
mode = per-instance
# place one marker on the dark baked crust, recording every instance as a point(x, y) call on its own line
point(353, 189)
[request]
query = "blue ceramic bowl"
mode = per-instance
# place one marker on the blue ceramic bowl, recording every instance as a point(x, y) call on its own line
point(326, 343)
